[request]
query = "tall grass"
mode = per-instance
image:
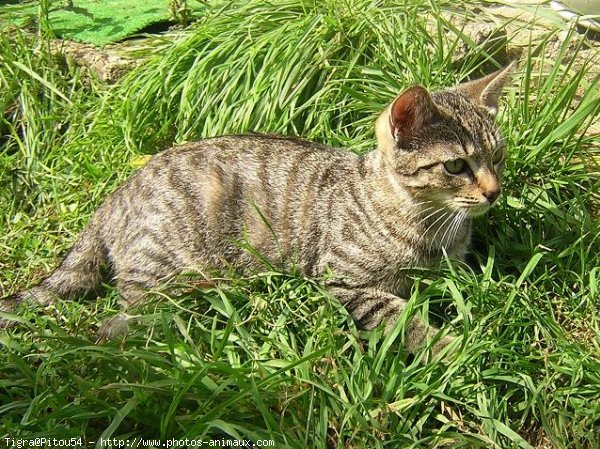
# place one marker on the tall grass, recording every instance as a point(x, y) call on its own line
point(312, 69)
point(273, 356)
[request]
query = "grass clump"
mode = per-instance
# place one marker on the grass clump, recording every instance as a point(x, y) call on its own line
point(272, 356)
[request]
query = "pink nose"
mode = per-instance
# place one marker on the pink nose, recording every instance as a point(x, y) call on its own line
point(492, 195)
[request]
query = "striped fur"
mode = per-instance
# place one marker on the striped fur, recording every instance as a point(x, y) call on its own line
point(361, 218)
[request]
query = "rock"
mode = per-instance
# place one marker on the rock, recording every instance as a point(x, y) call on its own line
point(107, 63)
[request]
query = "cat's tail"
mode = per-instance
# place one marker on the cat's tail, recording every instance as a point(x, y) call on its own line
point(78, 274)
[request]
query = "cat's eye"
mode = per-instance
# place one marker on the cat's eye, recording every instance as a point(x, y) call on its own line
point(456, 166)
point(497, 156)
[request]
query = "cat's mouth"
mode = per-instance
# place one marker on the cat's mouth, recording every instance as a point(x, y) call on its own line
point(471, 207)
point(479, 209)
point(466, 206)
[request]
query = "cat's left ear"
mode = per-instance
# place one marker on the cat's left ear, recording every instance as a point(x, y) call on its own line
point(486, 91)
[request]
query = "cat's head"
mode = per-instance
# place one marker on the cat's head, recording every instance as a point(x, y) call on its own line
point(445, 146)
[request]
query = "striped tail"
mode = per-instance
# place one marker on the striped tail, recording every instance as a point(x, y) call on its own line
point(78, 274)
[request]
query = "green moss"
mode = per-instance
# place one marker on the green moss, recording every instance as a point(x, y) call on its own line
point(94, 22)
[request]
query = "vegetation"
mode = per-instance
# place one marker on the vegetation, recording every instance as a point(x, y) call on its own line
point(97, 22)
point(273, 356)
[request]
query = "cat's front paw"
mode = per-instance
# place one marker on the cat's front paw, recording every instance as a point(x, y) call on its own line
point(447, 347)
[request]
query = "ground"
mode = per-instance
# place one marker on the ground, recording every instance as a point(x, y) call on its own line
point(273, 356)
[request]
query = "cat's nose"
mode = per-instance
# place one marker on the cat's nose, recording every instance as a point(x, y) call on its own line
point(492, 195)
point(489, 184)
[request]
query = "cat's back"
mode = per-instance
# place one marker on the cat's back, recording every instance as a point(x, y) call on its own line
point(248, 154)
point(197, 198)
point(271, 171)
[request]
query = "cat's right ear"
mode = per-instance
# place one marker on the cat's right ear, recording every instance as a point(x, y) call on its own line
point(401, 120)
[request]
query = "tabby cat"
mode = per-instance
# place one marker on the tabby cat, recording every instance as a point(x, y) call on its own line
point(363, 219)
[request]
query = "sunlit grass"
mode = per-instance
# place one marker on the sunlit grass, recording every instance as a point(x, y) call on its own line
point(272, 356)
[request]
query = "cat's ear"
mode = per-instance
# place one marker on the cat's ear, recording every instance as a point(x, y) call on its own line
point(411, 111)
point(486, 91)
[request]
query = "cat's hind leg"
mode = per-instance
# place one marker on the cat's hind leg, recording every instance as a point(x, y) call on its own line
point(133, 286)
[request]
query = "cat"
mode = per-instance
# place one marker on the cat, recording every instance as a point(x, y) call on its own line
point(361, 219)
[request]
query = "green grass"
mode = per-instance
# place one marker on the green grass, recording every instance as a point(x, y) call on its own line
point(273, 356)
